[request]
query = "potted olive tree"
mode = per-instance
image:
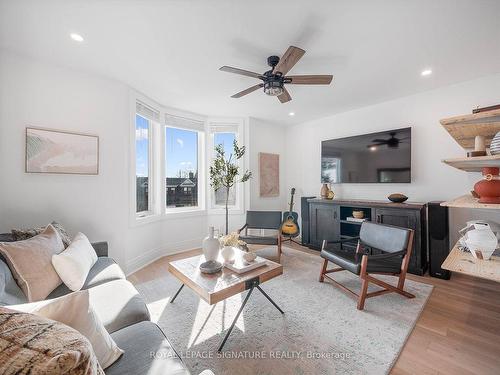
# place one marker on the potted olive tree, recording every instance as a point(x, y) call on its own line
point(225, 172)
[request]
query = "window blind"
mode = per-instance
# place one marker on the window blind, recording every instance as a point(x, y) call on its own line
point(147, 112)
point(183, 122)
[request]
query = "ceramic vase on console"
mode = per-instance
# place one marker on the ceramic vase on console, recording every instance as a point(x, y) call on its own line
point(488, 188)
point(324, 191)
point(211, 246)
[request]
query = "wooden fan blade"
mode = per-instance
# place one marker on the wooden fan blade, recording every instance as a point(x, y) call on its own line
point(288, 60)
point(310, 80)
point(247, 91)
point(378, 140)
point(285, 96)
point(242, 72)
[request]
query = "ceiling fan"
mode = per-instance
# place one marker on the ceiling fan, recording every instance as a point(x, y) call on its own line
point(274, 80)
point(391, 142)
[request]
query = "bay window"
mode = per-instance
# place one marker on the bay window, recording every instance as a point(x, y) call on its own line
point(170, 160)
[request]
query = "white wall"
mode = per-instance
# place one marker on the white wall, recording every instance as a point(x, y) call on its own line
point(33, 93)
point(268, 138)
point(431, 179)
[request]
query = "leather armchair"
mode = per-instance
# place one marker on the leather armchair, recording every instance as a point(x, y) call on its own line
point(262, 220)
point(395, 245)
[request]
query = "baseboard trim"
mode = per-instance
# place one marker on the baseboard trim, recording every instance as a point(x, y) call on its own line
point(151, 256)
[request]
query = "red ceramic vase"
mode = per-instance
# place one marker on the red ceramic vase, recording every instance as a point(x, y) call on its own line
point(488, 188)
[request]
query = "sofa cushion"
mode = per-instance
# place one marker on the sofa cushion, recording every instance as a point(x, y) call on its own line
point(10, 293)
point(76, 311)
point(118, 304)
point(147, 351)
point(30, 262)
point(103, 271)
point(24, 234)
point(74, 263)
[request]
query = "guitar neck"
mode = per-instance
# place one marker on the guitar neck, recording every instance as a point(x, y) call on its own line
point(291, 202)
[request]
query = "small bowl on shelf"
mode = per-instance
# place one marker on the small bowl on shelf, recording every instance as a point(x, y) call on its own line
point(397, 198)
point(358, 214)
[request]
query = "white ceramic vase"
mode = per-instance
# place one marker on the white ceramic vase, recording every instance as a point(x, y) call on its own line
point(211, 246)
point(228, 254)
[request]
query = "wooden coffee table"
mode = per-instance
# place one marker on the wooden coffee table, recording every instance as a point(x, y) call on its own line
point(224, 284)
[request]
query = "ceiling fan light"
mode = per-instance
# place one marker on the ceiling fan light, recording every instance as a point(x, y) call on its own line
point(273, 88)
point(274, 91)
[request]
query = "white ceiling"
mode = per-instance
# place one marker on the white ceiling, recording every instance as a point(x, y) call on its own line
point(171, 50)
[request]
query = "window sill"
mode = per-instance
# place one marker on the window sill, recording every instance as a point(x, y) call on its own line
point(152, 218)
point(179, 214)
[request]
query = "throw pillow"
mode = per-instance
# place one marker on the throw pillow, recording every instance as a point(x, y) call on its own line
point(24, 234)
point(31, 263)
point(31, 344)
point(74, 263)
point(74, 310)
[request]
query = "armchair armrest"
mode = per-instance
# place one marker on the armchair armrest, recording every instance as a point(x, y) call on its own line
point(101, 248)
point(344, 240)
point(243, 227)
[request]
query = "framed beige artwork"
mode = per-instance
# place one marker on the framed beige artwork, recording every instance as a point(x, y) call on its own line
point(59, 151)
point(269, 175)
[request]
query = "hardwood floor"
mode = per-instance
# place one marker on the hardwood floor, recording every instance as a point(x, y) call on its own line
point(457, 333)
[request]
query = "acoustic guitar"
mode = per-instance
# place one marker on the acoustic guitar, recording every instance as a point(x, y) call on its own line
point(290, 225)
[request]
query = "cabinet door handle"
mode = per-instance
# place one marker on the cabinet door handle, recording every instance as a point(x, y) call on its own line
point(334, 214)
point(379, 218)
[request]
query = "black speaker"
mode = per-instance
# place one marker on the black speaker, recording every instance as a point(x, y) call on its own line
point(439, 239)
point(304, 215)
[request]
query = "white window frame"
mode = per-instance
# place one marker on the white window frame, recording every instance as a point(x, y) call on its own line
point(153, 127)
point(157, 186)
point(151, 185)
point(201, 171)
point(227, 125)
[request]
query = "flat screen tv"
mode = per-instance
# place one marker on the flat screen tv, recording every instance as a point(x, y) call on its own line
point(383, 157)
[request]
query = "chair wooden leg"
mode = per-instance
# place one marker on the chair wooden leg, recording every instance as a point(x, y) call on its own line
point(364, 283)
point(323, 270)
point(362, 294)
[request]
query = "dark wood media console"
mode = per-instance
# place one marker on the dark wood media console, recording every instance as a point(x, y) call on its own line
point(328, 221)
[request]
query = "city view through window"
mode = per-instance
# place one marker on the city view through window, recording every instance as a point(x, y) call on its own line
point(181, 166)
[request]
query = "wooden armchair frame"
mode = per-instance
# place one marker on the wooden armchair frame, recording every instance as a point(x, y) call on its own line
point(367, 278)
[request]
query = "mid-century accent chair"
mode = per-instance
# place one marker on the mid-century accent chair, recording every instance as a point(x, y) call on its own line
point(395, 244)
point(263, 220)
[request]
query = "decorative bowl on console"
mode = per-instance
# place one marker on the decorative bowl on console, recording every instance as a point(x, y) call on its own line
point(397, 198)
point(358, 214)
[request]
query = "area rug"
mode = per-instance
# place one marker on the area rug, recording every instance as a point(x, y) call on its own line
point(321, 331)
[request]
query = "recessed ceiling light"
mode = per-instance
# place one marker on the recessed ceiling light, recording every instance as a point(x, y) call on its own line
point(373, 148)
point(291, 114)
point(76, 37)
point(426, 72)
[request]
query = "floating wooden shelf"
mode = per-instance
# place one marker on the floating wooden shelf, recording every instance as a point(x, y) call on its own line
point(465, 128)
point(474, 164)
point(464, 262)
point(468, 201)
